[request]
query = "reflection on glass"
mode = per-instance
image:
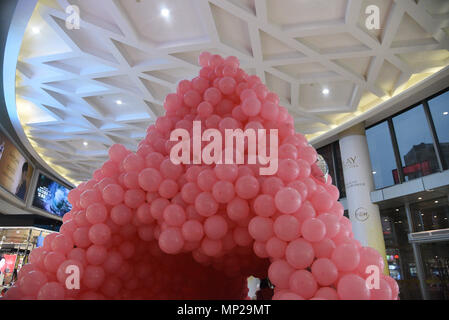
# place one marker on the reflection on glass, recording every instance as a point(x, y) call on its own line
point(430, 215)
point(415, 144)
point(400, 258)
point(339, 172)
point(382, 155)
point(326, 152)
point(435, 257)
point(439, 108)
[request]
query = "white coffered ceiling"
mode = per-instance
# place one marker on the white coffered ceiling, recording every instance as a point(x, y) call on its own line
point(69, 82)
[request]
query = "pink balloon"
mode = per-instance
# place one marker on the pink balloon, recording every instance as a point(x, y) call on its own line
point(192, 230)
point(247, 187)
point(353, 287)
point(346, 257)
point(303, 283)
point(324, 248)
point(327, 293)
point(174, 215)
point(287, 227)
point(261, 228)
point(264, 205)
point(31, 283)
point(324, 271)
point(313, 230)
point(276, 248)
point(383, 292)
point(113, 194)
point(215, 227)
point(205, 204)
point(93, 277)
point(299, 253)
point(237, 209)
point(279, 273)
point(171, 240)
point(287, 200)
point(331, 223)
point(51, 291)
point(369, 257)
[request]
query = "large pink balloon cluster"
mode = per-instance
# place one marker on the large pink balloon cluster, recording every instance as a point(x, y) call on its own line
point(145, 228)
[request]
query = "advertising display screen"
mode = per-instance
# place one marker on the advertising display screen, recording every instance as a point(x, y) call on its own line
point(15, 172)
point(51, 196)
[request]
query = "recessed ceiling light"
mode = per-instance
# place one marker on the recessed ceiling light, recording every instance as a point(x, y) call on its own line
point(36, 30)
point(435, 217)
point(85, 143)
point(119, 102)
point(325, 91)
point(445, 113)
point(419, 198)
point(397, 209)
point(165, 13)
point(436, 201)
point(422, 214)
point(374, 172)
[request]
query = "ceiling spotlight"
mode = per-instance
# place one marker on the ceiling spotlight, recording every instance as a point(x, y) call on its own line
point(374, 172)
point(445, 113)
point(85, 143)
point(325, 91)
point(36, 30)
point(435, 217)
point(165, 13)
point(119, 102)
point(436, 201)
point(397, 209)
point(419, 198)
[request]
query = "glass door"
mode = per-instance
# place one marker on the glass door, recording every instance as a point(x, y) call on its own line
point(435, 259)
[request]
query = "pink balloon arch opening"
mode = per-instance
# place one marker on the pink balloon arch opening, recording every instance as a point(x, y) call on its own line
point(146, 228)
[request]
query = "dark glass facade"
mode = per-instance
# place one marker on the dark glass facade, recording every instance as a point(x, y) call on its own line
point(400, 258)
point(411, 144)
point(416, 149)
point(430, 215)
point(381, 154)
point(439, 109)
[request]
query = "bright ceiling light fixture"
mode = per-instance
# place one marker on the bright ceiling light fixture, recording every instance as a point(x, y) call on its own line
point(36, 30)
point(85, 143)
point(165, 12)
point(119, 102)
point(445, 113)
point(325, 91)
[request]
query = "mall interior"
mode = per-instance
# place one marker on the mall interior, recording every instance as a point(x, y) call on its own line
point(367, 83)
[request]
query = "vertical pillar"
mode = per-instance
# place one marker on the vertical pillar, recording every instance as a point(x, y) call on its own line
point(357, 171)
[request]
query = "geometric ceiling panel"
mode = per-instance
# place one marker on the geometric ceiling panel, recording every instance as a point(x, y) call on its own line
point(388, 76)
point(291, 12)
point(80, 91)
point(232, 30)
point(357, 65)
point(278, 85)
point(409, 31)
point(184, 22)
point(333, 43)
point(339, 96)
point(272, 48)
point(384, 11)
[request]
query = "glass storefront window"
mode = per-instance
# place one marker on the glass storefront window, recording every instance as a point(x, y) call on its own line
point(400, 258)
point(382, 155)
point(439, 109)
point(435, 257)
point(430, 215)
point(415, 144)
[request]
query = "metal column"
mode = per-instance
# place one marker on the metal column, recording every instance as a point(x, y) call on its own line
point(417, 254)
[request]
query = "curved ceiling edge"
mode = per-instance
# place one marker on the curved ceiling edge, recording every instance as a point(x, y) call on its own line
point(19, 22)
